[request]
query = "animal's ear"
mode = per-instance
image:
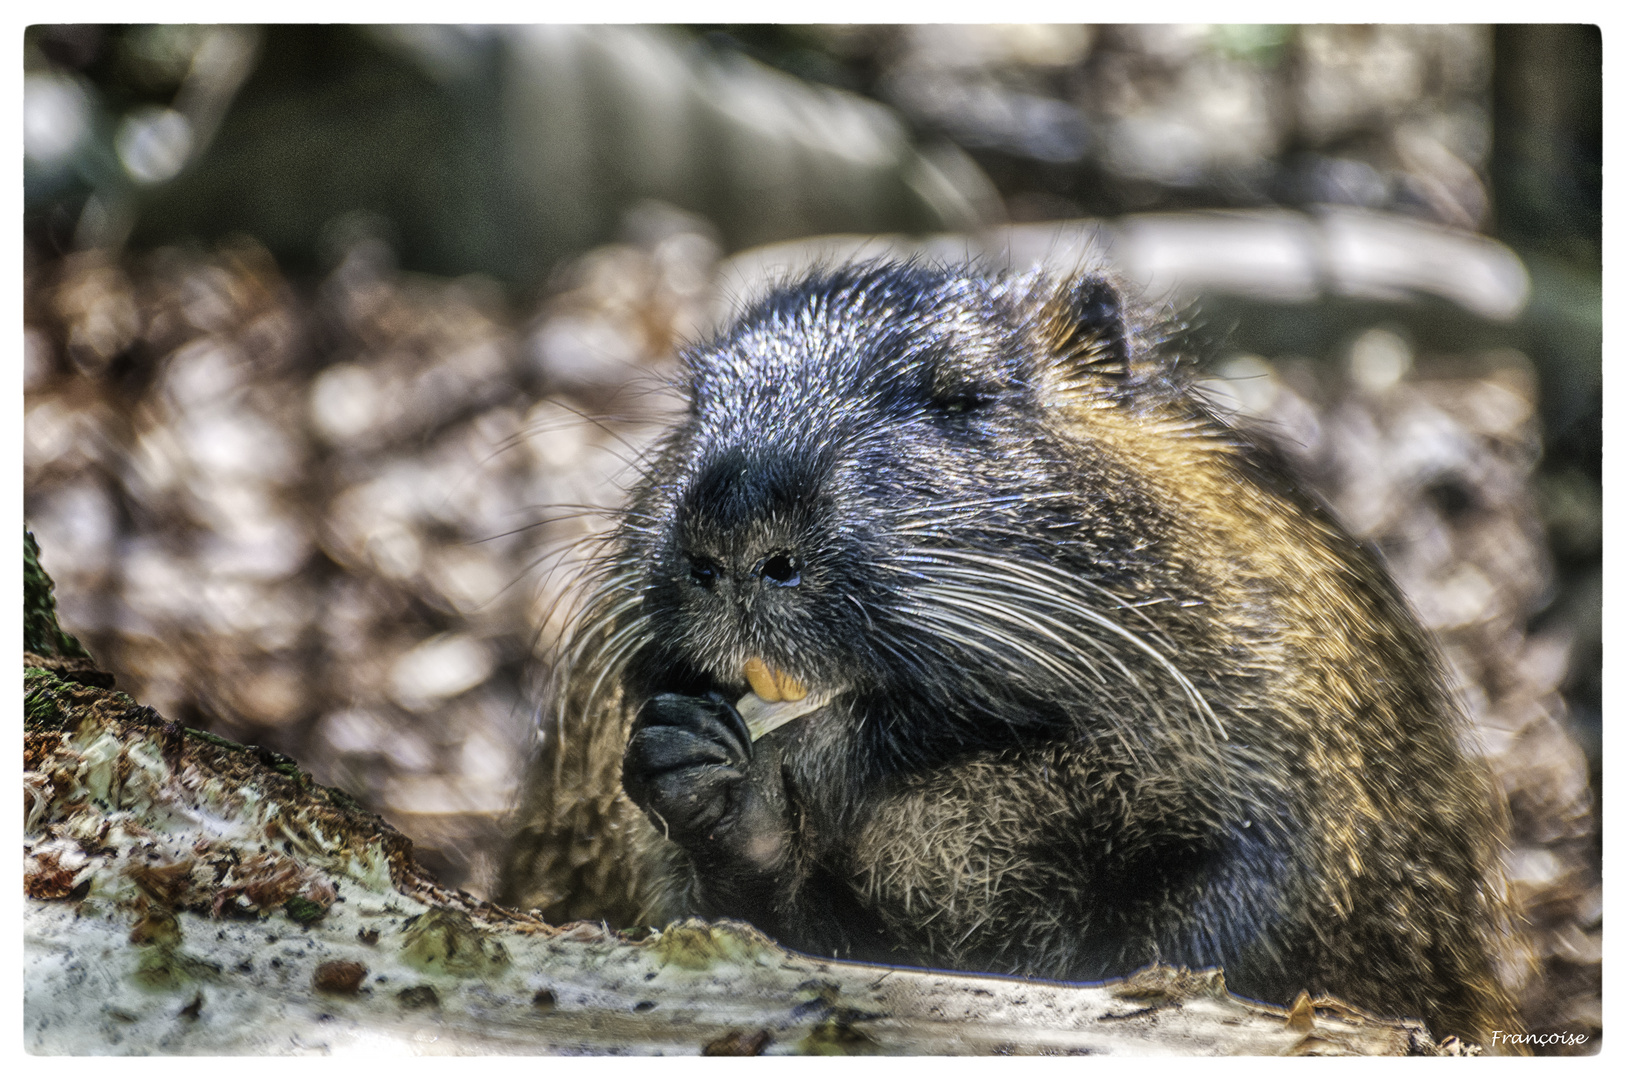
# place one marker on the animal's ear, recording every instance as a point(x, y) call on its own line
point(1091, 326)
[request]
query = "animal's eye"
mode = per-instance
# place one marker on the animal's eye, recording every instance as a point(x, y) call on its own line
point(958, 402)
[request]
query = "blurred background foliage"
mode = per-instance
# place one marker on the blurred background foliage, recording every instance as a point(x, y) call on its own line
point(335, 338)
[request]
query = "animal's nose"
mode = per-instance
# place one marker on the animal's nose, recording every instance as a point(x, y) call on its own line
point(703, 571)
point(777, 569)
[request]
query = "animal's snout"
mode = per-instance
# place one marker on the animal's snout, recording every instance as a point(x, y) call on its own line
point(743, 524)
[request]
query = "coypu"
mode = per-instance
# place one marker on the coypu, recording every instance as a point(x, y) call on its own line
point(1077, 679)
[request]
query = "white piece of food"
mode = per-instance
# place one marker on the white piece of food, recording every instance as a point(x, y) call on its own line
point(762, 716)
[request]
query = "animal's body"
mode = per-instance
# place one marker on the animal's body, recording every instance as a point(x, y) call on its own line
point(1100, 686)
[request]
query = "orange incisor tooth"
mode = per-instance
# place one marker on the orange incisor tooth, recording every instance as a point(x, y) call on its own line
point(761, 678)
point(790, 689)
point(771, 685)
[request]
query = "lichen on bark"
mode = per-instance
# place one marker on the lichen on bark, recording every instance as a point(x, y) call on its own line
point(42, 635)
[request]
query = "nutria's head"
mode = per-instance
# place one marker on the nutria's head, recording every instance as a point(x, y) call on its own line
point(888, 489)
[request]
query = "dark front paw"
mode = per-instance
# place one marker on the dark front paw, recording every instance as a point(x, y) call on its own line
point(686, 764)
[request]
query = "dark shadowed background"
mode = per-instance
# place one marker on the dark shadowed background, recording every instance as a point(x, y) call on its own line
point(335, 337)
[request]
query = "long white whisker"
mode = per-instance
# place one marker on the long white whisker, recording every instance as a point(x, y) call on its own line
point(1042, 576)
point(974, 601)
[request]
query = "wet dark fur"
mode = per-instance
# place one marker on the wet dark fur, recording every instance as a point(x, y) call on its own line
point(1111, 690)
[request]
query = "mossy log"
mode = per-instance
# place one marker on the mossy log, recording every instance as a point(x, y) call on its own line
point(187, 895)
